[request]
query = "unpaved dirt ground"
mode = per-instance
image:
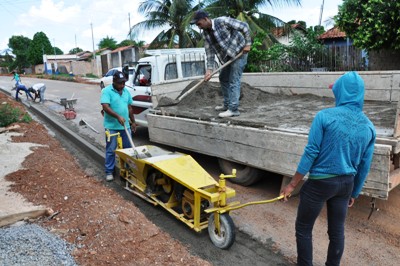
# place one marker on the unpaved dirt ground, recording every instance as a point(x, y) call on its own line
point(105, 228)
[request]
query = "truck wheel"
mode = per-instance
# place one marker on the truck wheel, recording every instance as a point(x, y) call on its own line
point(245, 175)
point(227, 236)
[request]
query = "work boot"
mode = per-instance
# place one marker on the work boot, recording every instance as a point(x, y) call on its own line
point(109, 177)
point(229, 113)
point(221, 108)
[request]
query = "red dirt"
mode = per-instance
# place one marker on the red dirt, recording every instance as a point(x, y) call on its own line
point(106, 228)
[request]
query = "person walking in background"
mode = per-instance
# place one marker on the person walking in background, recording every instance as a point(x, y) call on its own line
point(337, 157)
point(225, 38)
point(38, 89)
point(118, 113)
point(16, 78)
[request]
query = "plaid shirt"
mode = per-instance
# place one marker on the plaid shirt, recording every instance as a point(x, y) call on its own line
point(227, 38)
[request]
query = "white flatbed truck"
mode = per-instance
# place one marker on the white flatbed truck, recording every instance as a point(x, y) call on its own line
point(272, 137)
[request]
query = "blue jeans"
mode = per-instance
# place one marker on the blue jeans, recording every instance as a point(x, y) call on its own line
point(111, 146)
point(41, 93)
point(21, 87)
point(335, 192)
point(229, 79)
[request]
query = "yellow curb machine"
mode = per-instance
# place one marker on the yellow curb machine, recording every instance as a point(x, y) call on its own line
point(180, 185)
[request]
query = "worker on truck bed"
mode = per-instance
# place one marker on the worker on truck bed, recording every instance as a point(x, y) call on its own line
point(225, 38)
point(118, 113)
point(337, 157)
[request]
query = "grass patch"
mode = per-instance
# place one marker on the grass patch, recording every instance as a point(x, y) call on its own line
point(62, 77)
point(90, 75)
point(9, 115)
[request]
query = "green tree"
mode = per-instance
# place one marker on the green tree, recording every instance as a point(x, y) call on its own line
point(172, 16)
point(126, 43)
point(58, 50)
point(75, 50)
point(40, 45)
point(371, 24)
point(6, 60)
point(107, 42)
point(248, 11)
point(301, 54)
point(19, 45)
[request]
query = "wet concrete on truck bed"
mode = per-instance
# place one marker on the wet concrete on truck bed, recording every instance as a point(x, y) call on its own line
point(261, 109)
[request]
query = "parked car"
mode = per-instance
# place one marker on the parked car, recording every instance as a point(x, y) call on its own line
point(163, 66)
point(108, 77)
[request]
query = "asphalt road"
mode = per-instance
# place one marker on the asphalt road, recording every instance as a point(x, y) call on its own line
point(247, 250)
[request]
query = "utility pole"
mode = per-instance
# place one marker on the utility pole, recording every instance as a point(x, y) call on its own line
point(91, 26)
point(76, 47)
point(130, 33)
point(55, 56)
point(320, 14)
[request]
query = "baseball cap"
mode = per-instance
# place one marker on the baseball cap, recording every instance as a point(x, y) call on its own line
point(198, 15)
point(119, 77)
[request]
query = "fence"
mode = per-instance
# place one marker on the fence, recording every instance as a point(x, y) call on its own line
point(331, 58)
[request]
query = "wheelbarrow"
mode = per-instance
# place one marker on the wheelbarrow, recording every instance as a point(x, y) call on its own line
point(176, 182)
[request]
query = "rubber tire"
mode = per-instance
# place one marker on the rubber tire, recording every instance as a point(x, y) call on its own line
point(227, 228)
point(102, 85)
point(245, 175)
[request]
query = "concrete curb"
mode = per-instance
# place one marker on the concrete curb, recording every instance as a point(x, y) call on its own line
point(95, 153)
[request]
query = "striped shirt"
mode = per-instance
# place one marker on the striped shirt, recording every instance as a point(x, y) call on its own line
point(225, 40)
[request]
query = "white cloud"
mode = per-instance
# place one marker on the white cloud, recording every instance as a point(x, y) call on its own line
point(49, 12)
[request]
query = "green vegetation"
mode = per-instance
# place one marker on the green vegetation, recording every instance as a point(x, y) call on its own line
point(9, 115)
point(62, 77)
point(75, 50)
point(302, 52)
point(372, 24)
point(19, 45)
point(39, 45)
point(90, 75)
point(107, 42)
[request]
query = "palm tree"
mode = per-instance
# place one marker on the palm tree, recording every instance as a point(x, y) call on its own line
point(174, 15)
point(247, 10)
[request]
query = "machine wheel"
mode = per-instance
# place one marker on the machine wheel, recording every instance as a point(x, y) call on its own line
point(160, 185)
point(245, 175)
point(227, 236)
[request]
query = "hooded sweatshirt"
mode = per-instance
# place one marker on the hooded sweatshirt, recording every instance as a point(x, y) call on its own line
point(341, 139)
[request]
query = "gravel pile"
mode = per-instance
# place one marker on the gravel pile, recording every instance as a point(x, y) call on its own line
point(30, 244)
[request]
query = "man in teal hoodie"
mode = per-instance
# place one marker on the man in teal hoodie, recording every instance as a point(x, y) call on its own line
point(337, 157)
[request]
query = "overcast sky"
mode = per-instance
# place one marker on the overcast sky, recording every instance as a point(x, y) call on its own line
point(67, 24)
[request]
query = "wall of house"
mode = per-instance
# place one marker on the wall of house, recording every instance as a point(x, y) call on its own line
point(76, 67)
point(384, 60)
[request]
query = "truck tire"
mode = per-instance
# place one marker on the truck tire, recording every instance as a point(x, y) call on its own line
point(245, 175)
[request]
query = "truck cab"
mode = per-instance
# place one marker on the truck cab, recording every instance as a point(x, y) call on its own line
point(163, 66)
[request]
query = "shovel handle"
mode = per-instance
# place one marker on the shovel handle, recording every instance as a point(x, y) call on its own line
point(129, 137)
point(212, 74)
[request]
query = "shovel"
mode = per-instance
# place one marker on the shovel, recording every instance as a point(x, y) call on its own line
point(138, 154)
point(129, 137)
point(165, 101)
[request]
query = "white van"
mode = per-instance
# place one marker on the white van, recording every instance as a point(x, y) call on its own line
point(163, 66)
point(108, 77)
